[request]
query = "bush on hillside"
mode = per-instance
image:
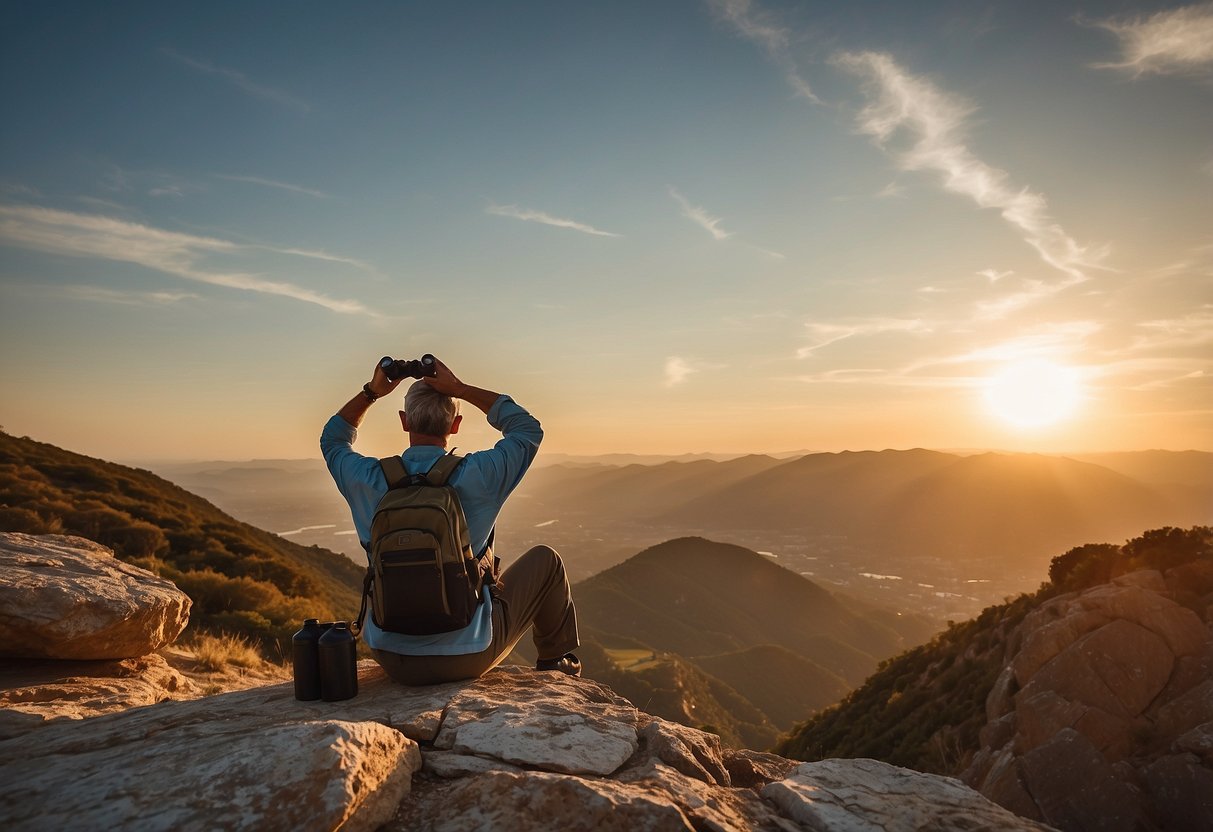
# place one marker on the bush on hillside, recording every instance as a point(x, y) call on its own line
point(1162, 549)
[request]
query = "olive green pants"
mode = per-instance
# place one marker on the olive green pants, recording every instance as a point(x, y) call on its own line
point(532, 591)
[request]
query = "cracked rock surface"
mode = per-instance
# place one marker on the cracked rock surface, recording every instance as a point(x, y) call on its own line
point(516, 749)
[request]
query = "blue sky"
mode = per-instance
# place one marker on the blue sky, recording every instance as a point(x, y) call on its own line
point(731, 226)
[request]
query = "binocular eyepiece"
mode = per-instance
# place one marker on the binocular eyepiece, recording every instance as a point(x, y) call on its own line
point(398, 368)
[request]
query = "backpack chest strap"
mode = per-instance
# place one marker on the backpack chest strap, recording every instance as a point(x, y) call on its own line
point(440, 472)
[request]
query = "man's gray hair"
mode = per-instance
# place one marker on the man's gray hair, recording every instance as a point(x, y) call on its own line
point(429, 411)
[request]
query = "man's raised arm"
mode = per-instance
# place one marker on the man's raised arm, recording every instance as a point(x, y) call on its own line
point(337, 438)
point(503, 465)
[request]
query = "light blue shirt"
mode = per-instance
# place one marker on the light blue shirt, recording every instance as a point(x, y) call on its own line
point(483, 482)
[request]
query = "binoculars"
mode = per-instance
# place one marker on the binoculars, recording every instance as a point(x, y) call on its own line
point(398, 368)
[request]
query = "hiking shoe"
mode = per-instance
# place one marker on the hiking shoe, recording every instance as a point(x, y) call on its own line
point(568, 663)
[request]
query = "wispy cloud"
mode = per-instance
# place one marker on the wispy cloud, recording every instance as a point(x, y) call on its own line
point(528, 215)
point(932, 125)
point(317, 254)
point(16, 189)
point(98, 294)
point(892, 190)
point(967, 367)
point(240, 81)
point(149, 182)
point(759, 26)
point(677, 370)
point(271, 183)
point(1171, 42)
point(1031, 291)
point(825, 334)
point(774, 255)
point(1194, 329)
point(170, 252)
point(700, 216)
point(1054, 341)
point(994, 275)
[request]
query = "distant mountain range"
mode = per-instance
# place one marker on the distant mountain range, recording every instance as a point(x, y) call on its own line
point(914, 502)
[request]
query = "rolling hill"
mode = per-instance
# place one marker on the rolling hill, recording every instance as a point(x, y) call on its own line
point(696, 598)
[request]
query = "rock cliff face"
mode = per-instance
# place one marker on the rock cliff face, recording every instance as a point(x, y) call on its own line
point(516, 749)
point(1103, 716)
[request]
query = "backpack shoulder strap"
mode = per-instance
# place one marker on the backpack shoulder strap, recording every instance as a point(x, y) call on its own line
point(393, 471)
point(440, 472)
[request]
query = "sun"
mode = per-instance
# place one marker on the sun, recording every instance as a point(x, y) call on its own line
point(1033, 393)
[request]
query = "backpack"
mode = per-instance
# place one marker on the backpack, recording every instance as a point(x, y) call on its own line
point(423, 577)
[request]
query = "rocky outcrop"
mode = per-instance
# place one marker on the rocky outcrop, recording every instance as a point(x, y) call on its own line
point(1103, 715)
point(516, 749)
point(70, 598)
point(77, 631)
point(33, 692)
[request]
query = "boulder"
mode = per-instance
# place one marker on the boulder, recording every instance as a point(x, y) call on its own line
point(1181, 628)
point(1077, 788)
point(69, 598)
point(752, 769)
point(694, 753)
point(573, 728)
point(1198, 741)
point(1118, 668)
point(1182, 790)
point(868, 795)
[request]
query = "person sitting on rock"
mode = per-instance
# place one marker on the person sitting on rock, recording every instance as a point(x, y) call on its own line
point(532, 591)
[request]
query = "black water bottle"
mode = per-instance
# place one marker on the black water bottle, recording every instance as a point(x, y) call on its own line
point(305, 654)
point(338, 663)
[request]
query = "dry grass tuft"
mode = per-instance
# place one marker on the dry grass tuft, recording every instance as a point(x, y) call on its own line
point(218, 652)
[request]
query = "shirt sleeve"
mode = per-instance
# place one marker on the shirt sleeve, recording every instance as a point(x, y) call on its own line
point(352, 471)
point(501, 468)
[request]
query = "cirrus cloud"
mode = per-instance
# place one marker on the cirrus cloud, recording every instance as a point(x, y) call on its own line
point(543, 218)
point(169, 252)
point(1169, 42)
point(931, 126)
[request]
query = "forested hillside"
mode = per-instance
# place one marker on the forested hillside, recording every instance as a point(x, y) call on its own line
point(241, 579)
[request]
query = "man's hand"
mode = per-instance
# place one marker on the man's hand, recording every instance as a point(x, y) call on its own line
point(444, 381)
point(380, 384)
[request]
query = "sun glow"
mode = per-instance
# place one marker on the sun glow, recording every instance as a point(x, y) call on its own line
point(1033, 393)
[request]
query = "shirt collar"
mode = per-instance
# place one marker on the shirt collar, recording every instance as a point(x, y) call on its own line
point(423, 452)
